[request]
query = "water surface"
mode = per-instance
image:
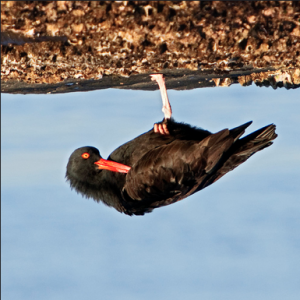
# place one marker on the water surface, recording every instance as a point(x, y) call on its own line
point(237, 239)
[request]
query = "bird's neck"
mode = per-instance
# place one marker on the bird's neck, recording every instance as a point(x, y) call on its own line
point(106, 186)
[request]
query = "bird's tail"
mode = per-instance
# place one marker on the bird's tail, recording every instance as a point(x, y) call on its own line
point(242, 149)
point(255, 141)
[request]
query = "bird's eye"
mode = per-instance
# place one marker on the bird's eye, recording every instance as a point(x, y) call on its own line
point(85, 155)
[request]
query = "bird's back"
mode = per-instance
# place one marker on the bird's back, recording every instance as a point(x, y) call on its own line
point(172, 171)
point(132, 151)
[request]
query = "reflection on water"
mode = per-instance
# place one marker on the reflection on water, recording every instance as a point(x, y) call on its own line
point(234, 238)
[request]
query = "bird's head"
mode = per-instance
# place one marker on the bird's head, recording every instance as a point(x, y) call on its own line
point(86, 163)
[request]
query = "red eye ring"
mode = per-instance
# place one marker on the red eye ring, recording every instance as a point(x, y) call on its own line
point(85, 155)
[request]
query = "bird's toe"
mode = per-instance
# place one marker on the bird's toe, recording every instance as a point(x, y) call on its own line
point(161, 128)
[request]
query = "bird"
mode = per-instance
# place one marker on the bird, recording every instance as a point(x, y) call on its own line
point(170, 162)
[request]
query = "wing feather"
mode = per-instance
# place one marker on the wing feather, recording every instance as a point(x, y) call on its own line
point(168, 173)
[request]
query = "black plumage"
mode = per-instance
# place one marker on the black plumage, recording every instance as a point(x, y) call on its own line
point(163, 168)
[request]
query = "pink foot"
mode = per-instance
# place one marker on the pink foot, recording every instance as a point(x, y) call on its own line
point(161, 128)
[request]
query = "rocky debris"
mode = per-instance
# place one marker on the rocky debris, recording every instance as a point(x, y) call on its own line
point(281, 78)
point(179, 79)
point(125, 38)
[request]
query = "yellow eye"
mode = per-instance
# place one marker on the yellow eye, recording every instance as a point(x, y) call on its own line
point(85, 155)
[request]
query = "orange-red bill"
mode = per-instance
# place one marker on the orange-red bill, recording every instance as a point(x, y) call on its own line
point(113, 166)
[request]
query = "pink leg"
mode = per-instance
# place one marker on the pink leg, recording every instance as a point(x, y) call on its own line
point(165, 100)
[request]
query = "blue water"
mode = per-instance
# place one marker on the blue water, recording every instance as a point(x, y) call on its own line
point(237, 239)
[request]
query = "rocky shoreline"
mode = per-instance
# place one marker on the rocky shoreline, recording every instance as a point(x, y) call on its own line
point(54, 43)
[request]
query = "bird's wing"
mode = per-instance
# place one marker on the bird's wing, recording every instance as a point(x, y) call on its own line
point(171, 172)
point(132, 151)
point(241, 151)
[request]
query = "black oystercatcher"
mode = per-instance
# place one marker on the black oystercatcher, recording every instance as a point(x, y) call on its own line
point(164, 165)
